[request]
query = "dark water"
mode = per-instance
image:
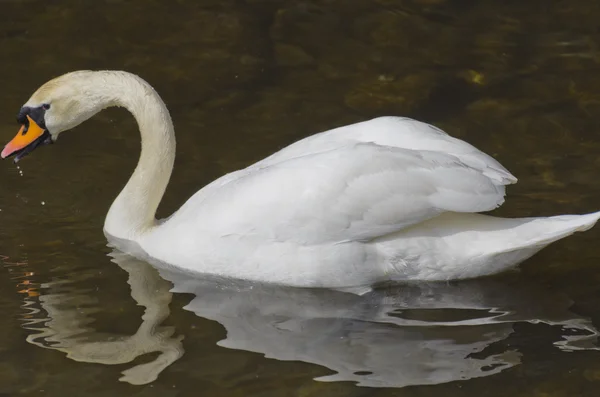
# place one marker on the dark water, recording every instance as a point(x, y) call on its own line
point(243, 79)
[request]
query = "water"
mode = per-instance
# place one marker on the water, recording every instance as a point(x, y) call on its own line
point(243, 79)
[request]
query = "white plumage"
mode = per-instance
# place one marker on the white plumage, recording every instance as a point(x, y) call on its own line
point(386, 199)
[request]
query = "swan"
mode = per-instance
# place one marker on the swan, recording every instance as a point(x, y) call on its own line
point(382, 200)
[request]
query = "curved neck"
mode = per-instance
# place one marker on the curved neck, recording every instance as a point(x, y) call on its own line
point(133, 211)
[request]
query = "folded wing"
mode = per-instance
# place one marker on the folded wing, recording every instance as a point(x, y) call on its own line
point(356, 192)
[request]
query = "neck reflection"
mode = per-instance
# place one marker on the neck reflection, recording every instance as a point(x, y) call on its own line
point(68, 327)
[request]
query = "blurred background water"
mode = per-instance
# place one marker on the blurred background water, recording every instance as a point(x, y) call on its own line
point(243, 78)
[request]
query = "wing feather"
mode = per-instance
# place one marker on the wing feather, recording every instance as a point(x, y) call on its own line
point(400, 132)
point(359, 191)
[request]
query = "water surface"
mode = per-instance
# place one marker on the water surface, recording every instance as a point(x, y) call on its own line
point(243, 79)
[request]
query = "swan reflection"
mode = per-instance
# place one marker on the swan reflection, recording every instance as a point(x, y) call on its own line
point(68, 327)
point(415, 334)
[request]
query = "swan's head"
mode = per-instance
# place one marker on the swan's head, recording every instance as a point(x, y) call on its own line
point(58, 105)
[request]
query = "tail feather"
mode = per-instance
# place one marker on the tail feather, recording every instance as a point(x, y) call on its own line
point(463, 245)
point(544, 231)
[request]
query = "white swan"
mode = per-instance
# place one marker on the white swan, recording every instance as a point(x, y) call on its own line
point(387, 199)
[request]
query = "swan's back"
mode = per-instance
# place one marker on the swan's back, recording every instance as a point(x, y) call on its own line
point(352, 183)
point(399, 132)
point(388, 131)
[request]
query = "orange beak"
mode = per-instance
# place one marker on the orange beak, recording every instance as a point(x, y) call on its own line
point(24, 137)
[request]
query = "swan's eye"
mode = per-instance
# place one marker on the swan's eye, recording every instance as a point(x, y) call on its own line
point(46, 106)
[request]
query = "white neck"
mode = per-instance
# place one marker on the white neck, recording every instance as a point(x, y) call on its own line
point(133, 211)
